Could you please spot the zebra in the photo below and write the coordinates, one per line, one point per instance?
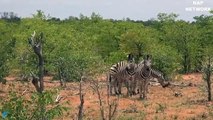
(160, 77)
(122, 72)
(143, 74)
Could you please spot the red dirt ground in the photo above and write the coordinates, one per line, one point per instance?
(189, 104)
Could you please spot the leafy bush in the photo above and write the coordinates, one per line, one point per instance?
(75, 65)
(6, 52)
(166, 60)
(38, 107)
(115, 57)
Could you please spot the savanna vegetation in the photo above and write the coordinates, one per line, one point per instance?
(88, 46)
(82, 44)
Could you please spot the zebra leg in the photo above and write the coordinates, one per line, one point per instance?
(112, 84)
(134, 86)
(119, 84)
(126, 82)
(109, 84)
(138, 90)
(109, 89)
(141, 89)
(138, 87)
(115, 86)
(130, 91)
(144, 89)
(131, 88)
(146, 83)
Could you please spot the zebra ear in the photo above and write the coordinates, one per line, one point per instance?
(149, 57)
(130, 58)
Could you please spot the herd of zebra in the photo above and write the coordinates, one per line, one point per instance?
(134, 76)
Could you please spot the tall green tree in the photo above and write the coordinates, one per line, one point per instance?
(184, 37)
(205, 25)
(138, 41)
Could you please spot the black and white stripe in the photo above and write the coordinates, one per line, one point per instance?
(122, 72)
(159, 76)
(143, 74)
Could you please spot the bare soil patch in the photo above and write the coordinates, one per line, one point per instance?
(162, 103)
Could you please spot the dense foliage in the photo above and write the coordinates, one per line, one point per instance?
(37, 107)
(89, 45)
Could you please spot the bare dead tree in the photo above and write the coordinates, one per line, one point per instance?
(96, 87)
(112, 105)
(81, 95)
(35, 81)
(36, 44)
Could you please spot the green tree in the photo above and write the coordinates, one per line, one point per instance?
(164, 17)
(40, 15)
(18, 107)
(205, 25)
(138, 41)
(8, 42)
(184, 37)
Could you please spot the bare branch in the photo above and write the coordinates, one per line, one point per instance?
(80, 112)
(58, 98)
(95, 86)
(24, 92)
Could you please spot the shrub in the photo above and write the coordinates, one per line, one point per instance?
(37, 107)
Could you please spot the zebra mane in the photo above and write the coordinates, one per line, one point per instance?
(159, 72)
(141, 63)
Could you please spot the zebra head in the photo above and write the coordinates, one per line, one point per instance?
(147, 62)
(130, 58)
(131, 68)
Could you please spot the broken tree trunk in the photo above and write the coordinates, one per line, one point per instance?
(36, 44)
